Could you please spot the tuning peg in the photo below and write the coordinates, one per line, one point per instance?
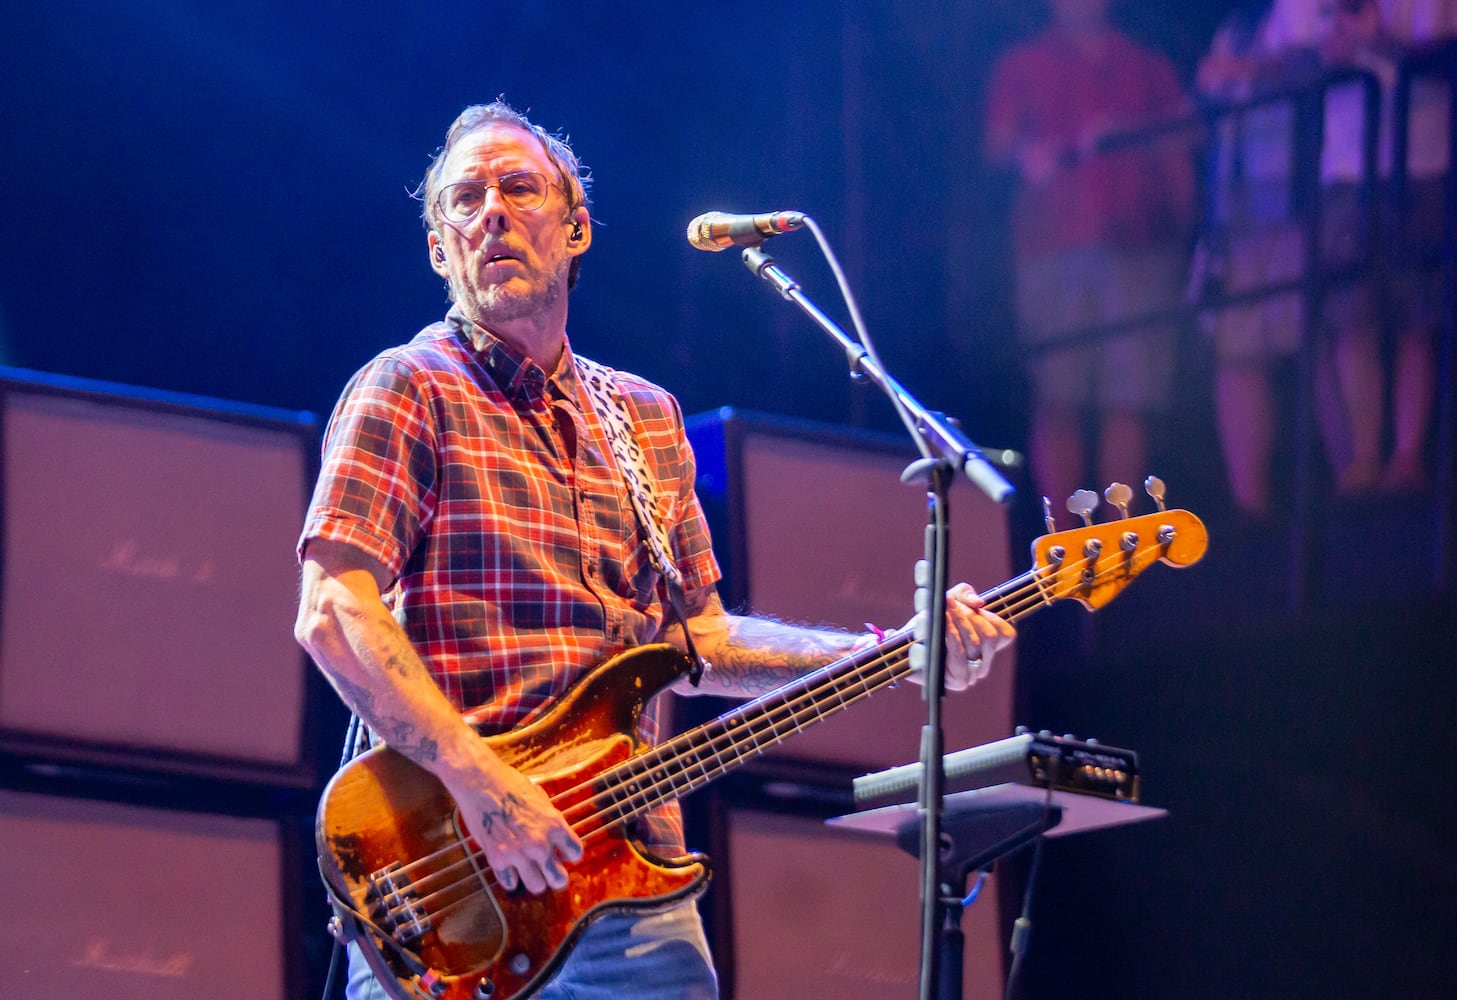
(1154, 487)
(1083, 503)
(1118, 494)
(1047, 516)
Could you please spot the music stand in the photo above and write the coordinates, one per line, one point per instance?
(979, 827)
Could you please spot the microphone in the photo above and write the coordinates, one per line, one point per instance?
(715, 231)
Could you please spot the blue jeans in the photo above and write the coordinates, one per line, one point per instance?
(661, 956)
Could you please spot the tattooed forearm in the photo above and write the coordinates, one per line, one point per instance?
(749, 656)
(421, 751)
(397, 732)
(743, 677)
(368, 657)
(358, 697)
(401, 733)
(755, 655)
(397, 656)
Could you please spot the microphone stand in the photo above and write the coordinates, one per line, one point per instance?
(946, 451)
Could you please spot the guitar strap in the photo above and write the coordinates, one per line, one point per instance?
(632, 465)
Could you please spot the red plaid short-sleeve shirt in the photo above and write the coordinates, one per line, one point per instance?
(489, 491)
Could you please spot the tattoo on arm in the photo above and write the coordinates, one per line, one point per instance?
(359, 698)
(398, 657)
(505, 814)
(760, 654)
(398, 732)
(750, 656)
(425, 751)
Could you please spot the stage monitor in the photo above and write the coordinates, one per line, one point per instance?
(130, 902)
(148, 582)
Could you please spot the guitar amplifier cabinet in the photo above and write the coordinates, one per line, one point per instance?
(148, 580)
(812, 524)
(817, 912)
(137, 903)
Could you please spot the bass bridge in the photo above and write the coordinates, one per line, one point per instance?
(394, 905)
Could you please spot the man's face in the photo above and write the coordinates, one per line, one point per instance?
(506, 263)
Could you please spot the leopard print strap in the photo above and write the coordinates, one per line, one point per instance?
(632, 465)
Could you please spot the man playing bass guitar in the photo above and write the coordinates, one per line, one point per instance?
(472, 545)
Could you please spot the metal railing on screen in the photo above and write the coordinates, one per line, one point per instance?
(1221, 128)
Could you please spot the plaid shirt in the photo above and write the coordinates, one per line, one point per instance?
(487, 489)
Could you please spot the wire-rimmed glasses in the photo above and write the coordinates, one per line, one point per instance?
(522, 190)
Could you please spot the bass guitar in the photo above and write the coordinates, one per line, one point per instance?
(414, 890)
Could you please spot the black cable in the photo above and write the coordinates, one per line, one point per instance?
(1022, 926)
(333, 969)
(351, 738)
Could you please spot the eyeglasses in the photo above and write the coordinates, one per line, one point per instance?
(524, 190)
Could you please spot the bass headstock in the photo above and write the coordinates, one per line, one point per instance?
(1092, 564)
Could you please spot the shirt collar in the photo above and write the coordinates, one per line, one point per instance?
(518, 376)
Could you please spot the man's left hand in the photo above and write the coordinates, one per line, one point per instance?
(973, 637)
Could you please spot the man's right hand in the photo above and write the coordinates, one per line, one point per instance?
(359, 646)
(526, 839)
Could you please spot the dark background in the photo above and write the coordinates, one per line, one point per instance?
(212, 197)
